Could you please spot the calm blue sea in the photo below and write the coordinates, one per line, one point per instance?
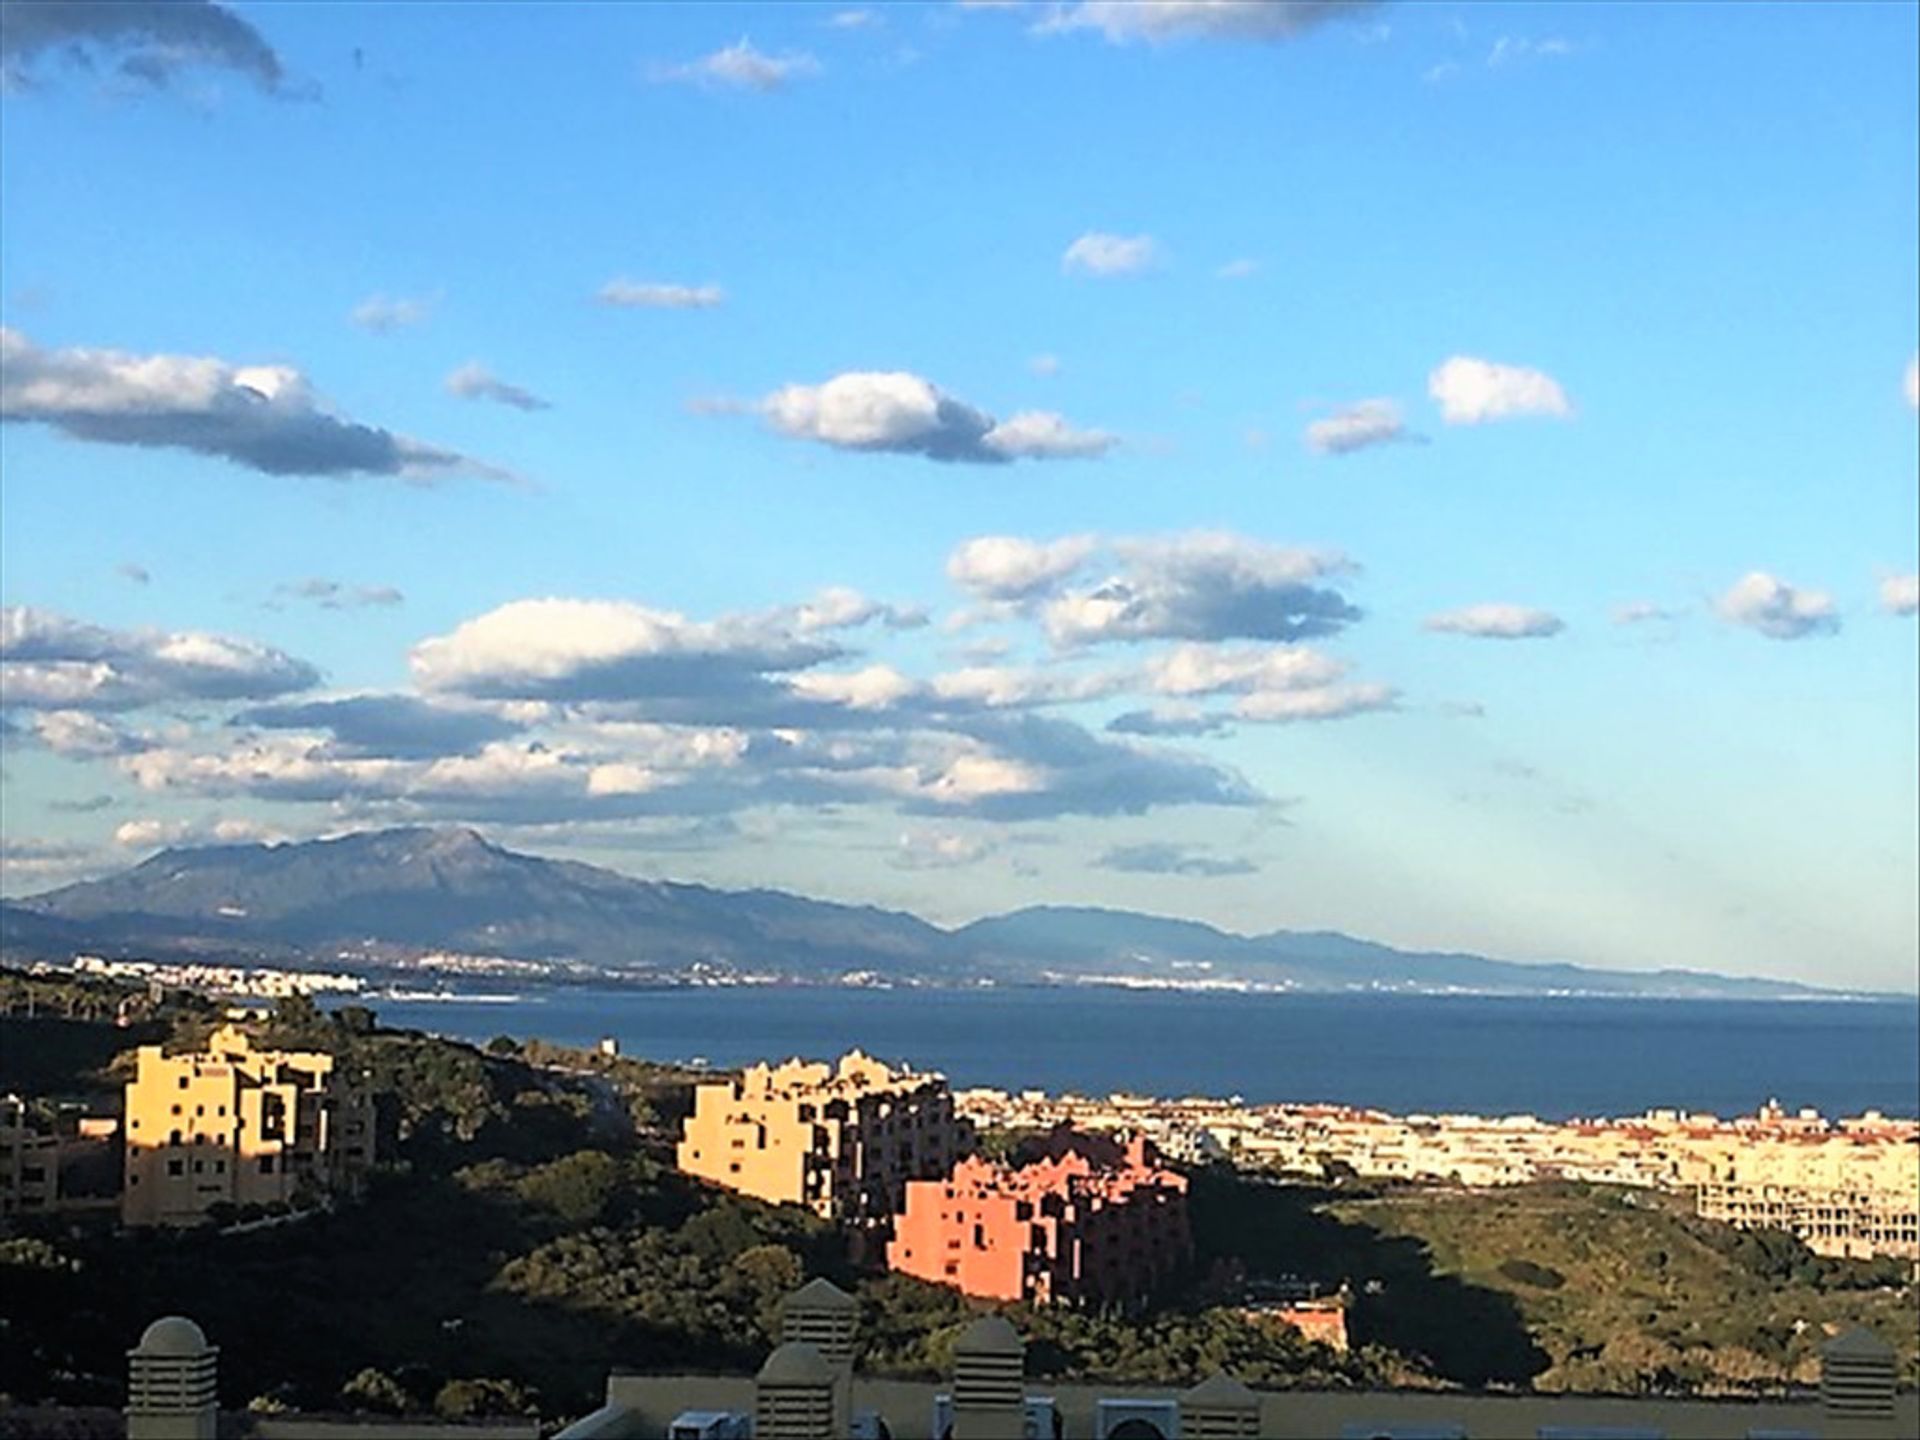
(1552, 1058)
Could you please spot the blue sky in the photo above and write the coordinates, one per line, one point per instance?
(1326, 381)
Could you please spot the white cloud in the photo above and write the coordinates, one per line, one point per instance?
(1007, 567)
(741, 67)
(82, 734)
(1498, 622)
(1043, 435)
(1900, 594)
(48, 661)
(1514, 49)
(854, 19)
(1241, 269)
(1160, 20)
(1044, 365)
(899, 412)
(383, 314)
(474, 381)
(1326, 702)
(607, 649)
(1912, 384)
(1204, 586)
(1356, 426)
(152, 834)
(1778, 610)
(1188, 670)
(1101, 254)
(1470, 391)
(656, 295)
(265, 417)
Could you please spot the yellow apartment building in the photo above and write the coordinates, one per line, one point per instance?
(239, 1126)
(842, 1139)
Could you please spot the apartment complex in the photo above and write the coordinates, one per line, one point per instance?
(843, 1139)
(233, 1125)
(1075, 1226)
(29, 1161)
(1848, 1187)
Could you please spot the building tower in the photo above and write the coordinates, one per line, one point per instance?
(989, 1382)
(824, 1316)
(793, 1395)
(1857, 1372)
(1217, 1408)
(172, 1379)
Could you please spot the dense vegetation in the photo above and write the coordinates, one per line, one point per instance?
(1624, 1291)
(528, 1232)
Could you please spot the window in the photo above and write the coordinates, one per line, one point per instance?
(199, 1167)
(266, 1164)
(183, 1085)
(219, 1167)
(176, 1109)
(173, 1137)
(176, 1167)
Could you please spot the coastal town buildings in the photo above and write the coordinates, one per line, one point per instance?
(1074, 1226)
(842, 1139)
(1847, 1188)
(235, 1125)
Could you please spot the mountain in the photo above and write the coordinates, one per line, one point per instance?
(397, 894)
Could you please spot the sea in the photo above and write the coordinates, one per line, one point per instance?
(1409, 1054)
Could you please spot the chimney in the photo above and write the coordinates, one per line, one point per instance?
(1217, 1408)
(172, 1383)
(989, 1382)
(793, 1396)
(824, 1316)
(1857, 1372)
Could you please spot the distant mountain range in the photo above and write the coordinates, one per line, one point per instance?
(390, 895)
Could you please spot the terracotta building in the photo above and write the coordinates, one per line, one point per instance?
(1075, 1226)
(841, 1139)
(234, 1125)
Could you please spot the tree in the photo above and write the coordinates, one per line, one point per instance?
(376, 1390)
(466, 1399)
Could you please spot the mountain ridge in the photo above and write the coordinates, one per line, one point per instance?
(399, 893)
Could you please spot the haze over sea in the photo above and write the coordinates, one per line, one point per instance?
(1554, 1058)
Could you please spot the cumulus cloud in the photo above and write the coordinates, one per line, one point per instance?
(156, 834)
(397, 727)
(264, 417)
(840, 607)
(338, 595)
(1900, 594)
(1471, 392)
(1356, 426)
(560, 649)
(1204, 586)
(80, 734)
(1778, 610)
(1163, 858)
(1007, 567)
(897, 412)
(1161, 20)
(741, 67)
(1098, 253)
(659, 295)
(474, 381)
(383, 314)
(51, 662)
(152, 40)
(30, 863)
(1498, 622)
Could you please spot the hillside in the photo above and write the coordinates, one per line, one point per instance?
(403, 892)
